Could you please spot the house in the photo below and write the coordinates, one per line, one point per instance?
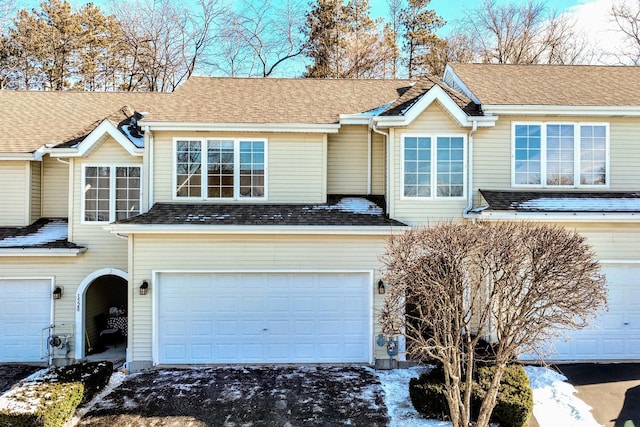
(242, 220)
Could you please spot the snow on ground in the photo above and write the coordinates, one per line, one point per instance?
(117, 378)
(555, 402)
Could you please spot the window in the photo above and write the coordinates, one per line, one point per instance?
(111, 193)
(560, 154)
(231, 168)
(433, 161)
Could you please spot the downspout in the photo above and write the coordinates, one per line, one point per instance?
(474, 128)
(369, 161)
(150, 161)
(372, 126)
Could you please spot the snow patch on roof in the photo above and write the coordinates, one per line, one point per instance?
(378, 110)
(132, 131)
(50, 232)
(572, 204)
(358, 205)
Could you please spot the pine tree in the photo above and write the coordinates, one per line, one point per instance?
(420, 39)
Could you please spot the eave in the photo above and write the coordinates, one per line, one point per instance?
(41, 252)
(605, 217)
(126, 229)
(242, 127)
(562, 110)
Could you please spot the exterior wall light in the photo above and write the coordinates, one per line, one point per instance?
(57, 292)
(381, 289)
(144, 288)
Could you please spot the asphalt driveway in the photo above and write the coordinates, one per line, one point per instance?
(250, 396)
(612, 391)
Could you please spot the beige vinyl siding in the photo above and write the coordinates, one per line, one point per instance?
(14, 197)
(611, 241)
(347, 161)
(493, 148)
(238, 253)
(378, 165)
(36, 191)
(295, 166)
(424, 212)
(55, 188)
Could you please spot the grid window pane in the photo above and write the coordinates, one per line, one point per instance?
(560, 155)
(251, 168)
(96, 193)
(450, 164)
(593, 155)
(528, 154)
(220, 168)
(127, 191)
(417, 167)
(188, 168)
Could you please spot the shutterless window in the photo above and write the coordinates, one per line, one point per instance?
(433, 162)
(231, 168)
(560, 154)
(111, 192)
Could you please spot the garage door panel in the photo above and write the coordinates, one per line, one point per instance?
(26, 310)
(268, 318)
(614, 335)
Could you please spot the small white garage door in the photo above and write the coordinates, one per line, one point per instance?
(26, 309)
(616, 333)
(263, 318)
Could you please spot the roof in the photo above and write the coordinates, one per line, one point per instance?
(30, 119)
(275, 100)
(422, 86)
(341, 211)
(46, 233)
(560, 85)
(562, 201)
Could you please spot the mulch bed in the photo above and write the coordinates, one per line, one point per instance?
(255, 396)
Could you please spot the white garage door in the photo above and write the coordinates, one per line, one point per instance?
(616, 333)
(263, 318)
(26, 309)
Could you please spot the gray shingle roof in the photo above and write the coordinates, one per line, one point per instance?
(562, 201)
(46, 233)
(338, 212)
(560, 85)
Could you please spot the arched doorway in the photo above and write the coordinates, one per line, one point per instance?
(101, 294)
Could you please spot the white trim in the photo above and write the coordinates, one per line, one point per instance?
(242, 127)
(155, 356)
(19, 156)
(27, 195)
(112, 189)
(576, 154)
(105, 128)
(436, 93)
(236, 169)
(253, 229)
(619, 261)
(40, 252)
(555, 216)
(80, 304)
(434, 165)
(562, 110)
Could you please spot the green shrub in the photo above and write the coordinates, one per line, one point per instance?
(514, 403)
(42, 404)
(427, 394)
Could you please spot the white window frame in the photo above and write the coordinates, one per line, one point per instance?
(576, 154)
(434, 165)
(204, 172)
(112, 189)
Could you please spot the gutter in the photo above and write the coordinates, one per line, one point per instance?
(197, 229)
(555, 216)
(473, 130)
(22, 252)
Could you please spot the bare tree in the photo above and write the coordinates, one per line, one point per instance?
(627, 16)
(519, 285)
(524, 33)
(164, 41)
